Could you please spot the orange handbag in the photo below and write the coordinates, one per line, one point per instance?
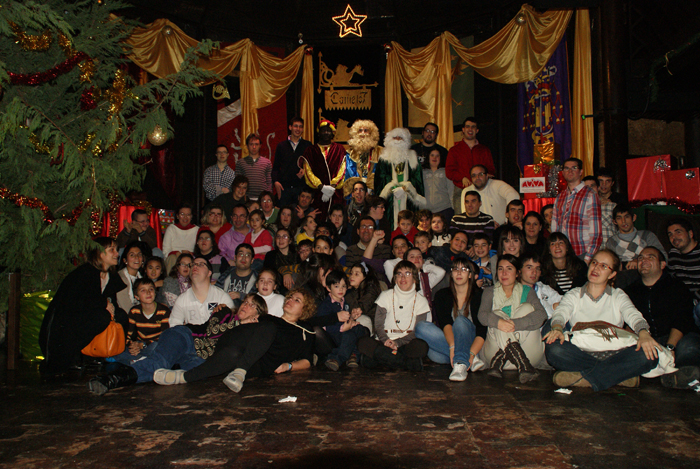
(107, 343)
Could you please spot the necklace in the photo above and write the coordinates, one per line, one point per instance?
(413, 310)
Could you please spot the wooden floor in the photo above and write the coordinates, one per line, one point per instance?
(350, 419)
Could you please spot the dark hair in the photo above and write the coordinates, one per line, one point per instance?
(578, 162)
(514, 261)
(308, 190)
(411, 248)
(605, 172)
(221, 145)
(214, 246)
(344, 224)
(244, 246)
(260, 303)
(481, 235)
(173, 269)
(370, 282)
(572, 266)
(437, 129)
(94, 255)
(661, 254)
(335, 276)
(422, 234)
(207, 211)
(325, 239)
(478, 165)
(304, 221)
(309, 274)
(590, 178)
(291, 227)
(134, 244)
(296, 119)
(621, 208)
(463, 261)
(238, 180)
(259, 213)
(376, 202)
(250, 137)
(540, 220)
(332, 231)
(406, 215)
(275, 277)
(160, 261)
(471, 119)
(263, 194)
(406, 265)
(530, 255)
(138, 212)
(184, 205)
(398, 238)
(142, 281)
(515, 203)
(474, 193)
(363, 183)
(209, 267)
(515, 232)
(685, 224)
(444, 224)
(425, 213)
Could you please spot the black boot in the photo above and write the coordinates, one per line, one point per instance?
(497, 363)
(515, 353)
(123, 376)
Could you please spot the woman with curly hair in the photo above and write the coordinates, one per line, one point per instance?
(272, 345)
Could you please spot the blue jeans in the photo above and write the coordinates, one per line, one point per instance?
(602, 374)
(464, 332)
(696, 314)
(125, 358)
(687, 349)
(347, 343)
(175, 346)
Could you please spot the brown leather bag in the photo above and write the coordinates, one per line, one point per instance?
(107, 343)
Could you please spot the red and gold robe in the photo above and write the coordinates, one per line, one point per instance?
(324, 165)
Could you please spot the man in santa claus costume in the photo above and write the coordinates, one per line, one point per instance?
(398, 176)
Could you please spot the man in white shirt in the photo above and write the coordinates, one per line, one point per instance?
(196, 305)
(495, 194)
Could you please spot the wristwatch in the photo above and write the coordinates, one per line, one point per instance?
(290, 367)
(671, 347)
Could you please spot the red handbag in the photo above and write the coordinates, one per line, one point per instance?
(107, 343)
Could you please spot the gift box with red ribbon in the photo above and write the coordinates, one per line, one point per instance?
(683, 184)
(645, 177)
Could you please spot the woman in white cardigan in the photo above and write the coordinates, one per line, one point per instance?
(180, 237)
(597, 301)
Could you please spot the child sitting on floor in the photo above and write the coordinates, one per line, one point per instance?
(343, 334)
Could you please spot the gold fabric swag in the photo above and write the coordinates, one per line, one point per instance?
(160, 48)
(517, 53)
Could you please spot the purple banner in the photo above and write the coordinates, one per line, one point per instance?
(544, 112)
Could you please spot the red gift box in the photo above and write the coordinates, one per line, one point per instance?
(684, 184)
(644, 177)
(541, 170)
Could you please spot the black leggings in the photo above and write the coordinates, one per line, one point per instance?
(240, 347)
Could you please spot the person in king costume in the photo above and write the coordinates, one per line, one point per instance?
(362, 157)
(324, 169)
(398, 175)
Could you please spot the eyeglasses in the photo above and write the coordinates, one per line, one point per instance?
(359, 189)
(648, 257)
(282, 237)
(184, 214)
(250, 303)
(367, 227)
(200, 264)
(243, 254)
(222, 153)
(433, 132)
(595, 263)
(476, 175)
(404, 274)
(571, 168)
(215, 214)
(189, 266)
(460, 269)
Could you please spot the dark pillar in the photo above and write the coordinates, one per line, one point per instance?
(13, 321)
(692, 142)
(614, 53)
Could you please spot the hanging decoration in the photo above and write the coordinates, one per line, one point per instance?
(33, 202)
(690, 209)
(31, 42)
(220, 91)
(157, 136)
(349, 22)
(33, 79)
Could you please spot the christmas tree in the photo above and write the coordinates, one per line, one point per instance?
(72, 125)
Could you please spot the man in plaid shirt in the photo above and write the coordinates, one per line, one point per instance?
(218, 177)
(577, 212)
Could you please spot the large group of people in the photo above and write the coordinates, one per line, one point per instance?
(383, 257)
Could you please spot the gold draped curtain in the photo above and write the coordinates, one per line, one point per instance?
(517, 53)
(160, 47)
(582, 130)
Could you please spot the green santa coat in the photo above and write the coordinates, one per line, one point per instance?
(409, 177)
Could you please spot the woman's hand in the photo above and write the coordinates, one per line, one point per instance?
(158, 283)
(647, 343)
(283, 368)
(554, 334)
(452, 355)
(506, 325)
(391, 344)
(250, 320)
(110, 308)
(288, 281)
(480, 283)
(234, 295)
(135, 348)
(356, 313)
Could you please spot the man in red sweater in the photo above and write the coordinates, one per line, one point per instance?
(463, 156)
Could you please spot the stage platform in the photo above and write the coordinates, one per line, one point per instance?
(349, 419)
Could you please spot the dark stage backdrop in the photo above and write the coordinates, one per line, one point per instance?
(349, 85)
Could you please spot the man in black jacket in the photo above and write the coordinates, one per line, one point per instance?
(667, 305)
(289, 179)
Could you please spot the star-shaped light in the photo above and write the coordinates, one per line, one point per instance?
(349, 22)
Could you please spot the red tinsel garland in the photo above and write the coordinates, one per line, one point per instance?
(33, 202)
(48, 75)
(690, 209)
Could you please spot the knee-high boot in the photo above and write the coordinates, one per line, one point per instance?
(516, 354)
(497, 363)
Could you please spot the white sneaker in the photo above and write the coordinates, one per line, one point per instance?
(477, 363)
(459, 372)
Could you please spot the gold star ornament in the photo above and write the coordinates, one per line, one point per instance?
(349, 22)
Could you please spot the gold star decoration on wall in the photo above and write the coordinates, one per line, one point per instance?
(349, 22)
